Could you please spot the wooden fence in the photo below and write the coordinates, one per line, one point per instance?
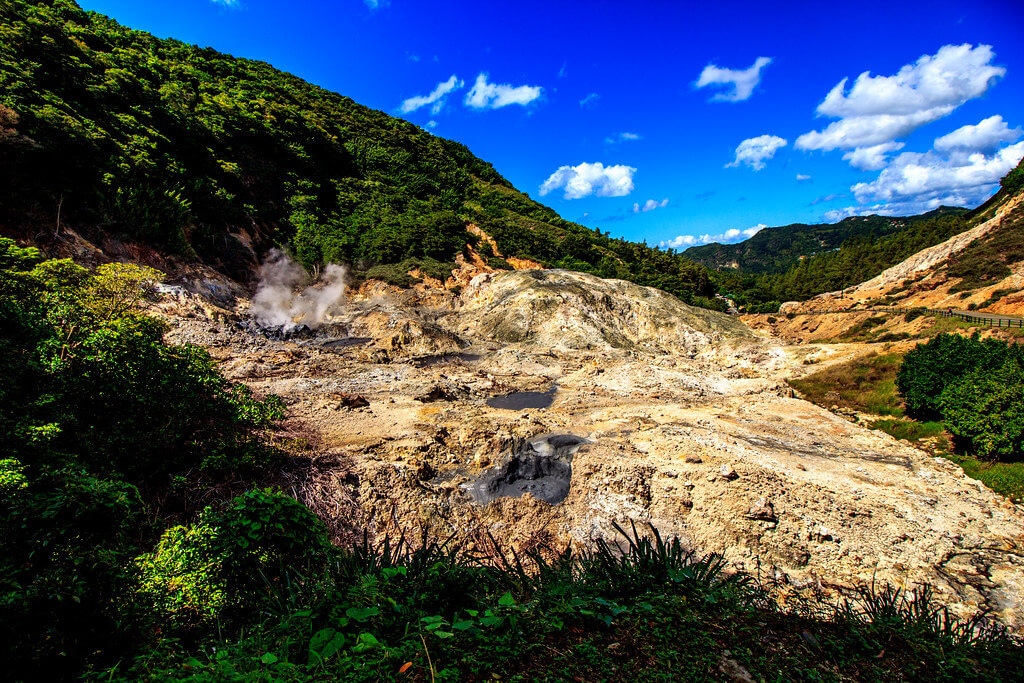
(988, 320)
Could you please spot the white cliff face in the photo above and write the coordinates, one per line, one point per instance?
(687, 426)
(564, 309)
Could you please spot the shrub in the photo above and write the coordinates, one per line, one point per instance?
(985, 410)
(914, 314)
(231, 561)
(929, 368)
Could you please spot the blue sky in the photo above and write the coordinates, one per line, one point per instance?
(670, 123)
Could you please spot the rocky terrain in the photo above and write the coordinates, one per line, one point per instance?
(626, 406)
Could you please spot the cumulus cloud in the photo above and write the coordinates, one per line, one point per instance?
(984, 137)
(913, 175)
(435, 98)
(590, 100)
(731, 235)
(915, 182)
(872, 158)
(802, 178)
(877, 110)
(591, 179)
(755, 151)
(649, 205)
(740, 84)
(484, 95)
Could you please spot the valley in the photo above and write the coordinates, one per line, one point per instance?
(682, 419)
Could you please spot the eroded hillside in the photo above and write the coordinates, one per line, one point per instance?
(627, 406)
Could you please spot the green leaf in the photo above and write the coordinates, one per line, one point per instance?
(269, 658)
(362, 613)
(506, 600)
(366, 642)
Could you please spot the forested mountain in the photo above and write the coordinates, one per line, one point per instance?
(775, 250)
(201, 153)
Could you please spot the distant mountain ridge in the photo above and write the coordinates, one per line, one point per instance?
(777, 249)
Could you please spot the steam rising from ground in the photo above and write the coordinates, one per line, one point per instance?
(278, 305)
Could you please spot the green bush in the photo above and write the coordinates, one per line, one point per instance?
(98, 415)
(230, 563)
(976, 386)
(914, 314)
(929, 368)
(984, 411)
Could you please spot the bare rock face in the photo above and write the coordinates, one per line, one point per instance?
(659, 413)
(564, 309)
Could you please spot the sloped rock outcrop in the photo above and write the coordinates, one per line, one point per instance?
(564, 309)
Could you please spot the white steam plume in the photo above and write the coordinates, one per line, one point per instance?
(276, 303)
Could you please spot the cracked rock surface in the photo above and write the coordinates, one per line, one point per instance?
(679, 417)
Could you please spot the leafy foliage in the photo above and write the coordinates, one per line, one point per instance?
(985, 409)
(96, 414)
(231, 560)
(975, 385)
(393, 611)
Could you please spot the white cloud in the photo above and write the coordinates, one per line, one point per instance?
(377, 4)
(922, 176)
(801, 178)
(984, 137)
(563, 72)
(731, 235)
(587, 179)
(649, 205)
(742, 82)
(622, 137)
(431, 125)
(755, 151)
(435, 98)
(228, 3)
(877, 110)
(679, 242)
(590, 100)
(915, 183)
(872, 158)
(486, 95)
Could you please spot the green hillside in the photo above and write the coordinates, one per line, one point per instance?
(197, 152)
(775, 250)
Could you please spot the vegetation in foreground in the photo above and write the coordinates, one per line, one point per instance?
(643, 609)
